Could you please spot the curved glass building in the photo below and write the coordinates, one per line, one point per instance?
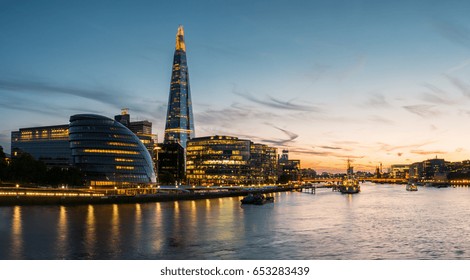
(108, 153)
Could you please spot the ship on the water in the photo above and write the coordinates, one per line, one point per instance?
(350, 184)
(412, 187)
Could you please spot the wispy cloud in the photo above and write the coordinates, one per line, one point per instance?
(277, 104)
(462, 86)
(377, 100)
(458, 67)
(423, 152)
(40, 88)
(454, 32)
(436, 96)
(330, 148)
(389, 148)
(422, 110)
(381, 120)
(324, 153)
(282, 142)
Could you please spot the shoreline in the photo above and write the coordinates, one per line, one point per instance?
(33, 196)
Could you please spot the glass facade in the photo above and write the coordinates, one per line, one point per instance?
(143, 130)
(109, 153)
(179, 120)
(49, 144)
(263, 164)
(219, 160)
(225, 160)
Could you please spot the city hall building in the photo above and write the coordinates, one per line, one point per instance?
(108, 153)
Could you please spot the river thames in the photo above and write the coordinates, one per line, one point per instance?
(381, 222)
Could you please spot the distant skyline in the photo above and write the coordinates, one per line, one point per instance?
(373, 81)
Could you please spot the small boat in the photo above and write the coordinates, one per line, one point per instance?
(411, 187)
(257, 199)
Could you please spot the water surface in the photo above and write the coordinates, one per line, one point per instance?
(381, 222)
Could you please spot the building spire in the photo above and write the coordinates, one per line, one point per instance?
(180, 39)
(179, 119)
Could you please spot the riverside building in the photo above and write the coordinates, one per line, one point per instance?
(226, 160)
(49, 144)
(143, 129)
(108, 153)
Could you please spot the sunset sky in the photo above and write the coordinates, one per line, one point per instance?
(373, 81)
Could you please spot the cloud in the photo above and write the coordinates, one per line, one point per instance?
(377, 100)
(277, 104)
(458, 67)
(455, 33)
(330, 148)
(390, 148)
(39, 88)
(282, 142)
(327, 153)
(422, 152)
(463, 87)
(381, 120)
(422, 110)
(438, 96)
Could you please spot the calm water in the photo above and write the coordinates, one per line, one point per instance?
(382, 222)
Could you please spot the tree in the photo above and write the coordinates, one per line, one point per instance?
(3, 165)
(25, 169)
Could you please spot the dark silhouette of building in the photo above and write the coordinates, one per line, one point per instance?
(179, 120)
(431, 169)
(288, 168)
(170, 163)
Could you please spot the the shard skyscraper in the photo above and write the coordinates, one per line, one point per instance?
(179, 118)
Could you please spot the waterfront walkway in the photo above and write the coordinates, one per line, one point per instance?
(31, 196)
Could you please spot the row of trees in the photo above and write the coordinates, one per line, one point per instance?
(25, 169)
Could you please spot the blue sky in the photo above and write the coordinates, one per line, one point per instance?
(374, 81)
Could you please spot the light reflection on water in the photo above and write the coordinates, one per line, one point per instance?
(382, 222)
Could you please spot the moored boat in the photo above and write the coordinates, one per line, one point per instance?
(411, 187)
(350, 184)
(257, 199)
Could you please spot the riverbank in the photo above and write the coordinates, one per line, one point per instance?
(49, 196)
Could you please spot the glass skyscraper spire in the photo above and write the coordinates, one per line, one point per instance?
(179, 119)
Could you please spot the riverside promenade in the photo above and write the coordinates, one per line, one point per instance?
(66, 196)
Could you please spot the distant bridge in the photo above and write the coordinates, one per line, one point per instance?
(337, 181)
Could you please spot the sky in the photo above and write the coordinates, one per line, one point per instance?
(373, 81)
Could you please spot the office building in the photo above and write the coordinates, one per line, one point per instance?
(49, 144)
(179, 120)
(226, 160)
(218, 160)
(289, 169)
(263, 162)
